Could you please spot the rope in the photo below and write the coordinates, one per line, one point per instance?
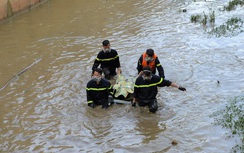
(21, 72)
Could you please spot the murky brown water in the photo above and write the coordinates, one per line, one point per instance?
(44, 109)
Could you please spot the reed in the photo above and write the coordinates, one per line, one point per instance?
(203, 18)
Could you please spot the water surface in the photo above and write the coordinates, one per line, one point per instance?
(44, 109)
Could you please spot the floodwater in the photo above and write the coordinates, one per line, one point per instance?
(44, 108)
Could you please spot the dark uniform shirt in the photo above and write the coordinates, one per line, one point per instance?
(97, 92)
(107, 60)
(147, 90)
(157, 65)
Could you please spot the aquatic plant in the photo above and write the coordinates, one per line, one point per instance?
(232, 4)
(212, 17)
(195, 18)
(203, 18)
(231, 27)
(232, 117)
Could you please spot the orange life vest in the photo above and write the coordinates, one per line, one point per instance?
(152, 64)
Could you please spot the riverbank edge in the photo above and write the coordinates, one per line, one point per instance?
(12, 8)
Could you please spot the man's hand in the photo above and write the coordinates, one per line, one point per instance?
(119, 71)
(133, 104)
(182, 88)
(110, 100)
(91, 105)
(141, 73)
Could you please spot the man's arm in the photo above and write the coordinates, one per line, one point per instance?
(88, 96)
(116, 62)
(159, 68)
(119, 71)
(135, 94)
(168, 83)
(97, 62)
(179, 87)
(139, 65)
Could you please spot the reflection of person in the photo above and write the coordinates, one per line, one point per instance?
(109, 60)
(151, 130)
(145, 89)
(149, 58)
(99, 90)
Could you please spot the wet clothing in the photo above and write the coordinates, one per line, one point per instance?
(155, 64)
(108, 61)
(152, 104)
(97, 94)
(145, 92)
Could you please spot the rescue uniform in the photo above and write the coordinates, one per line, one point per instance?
(155, 64)
(98, 93)
(109, 62)
(145, 92)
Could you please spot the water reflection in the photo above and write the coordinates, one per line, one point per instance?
(150, 128)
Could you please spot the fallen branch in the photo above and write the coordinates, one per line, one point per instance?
(21, 72)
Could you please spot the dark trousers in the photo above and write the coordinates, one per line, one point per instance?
(109, 72)
(152, 104)
(103, 102)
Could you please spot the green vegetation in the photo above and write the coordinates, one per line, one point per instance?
(212, 17)
(232, 117)
(230, 28)
(233, 4)
(195, 18)
(203, 18)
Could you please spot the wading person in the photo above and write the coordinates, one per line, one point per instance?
(145, 89)
(149, 58)
(108, 59)
(99, 90)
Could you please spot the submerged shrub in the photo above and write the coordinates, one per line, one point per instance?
(195, 18)
(231, 27)
(203, 19)
(212, 17)
(232, 117)
(231, 5)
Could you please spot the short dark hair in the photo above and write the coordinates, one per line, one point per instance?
(147, 71)
(99, 70)
(150, 52)
(105, 43)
